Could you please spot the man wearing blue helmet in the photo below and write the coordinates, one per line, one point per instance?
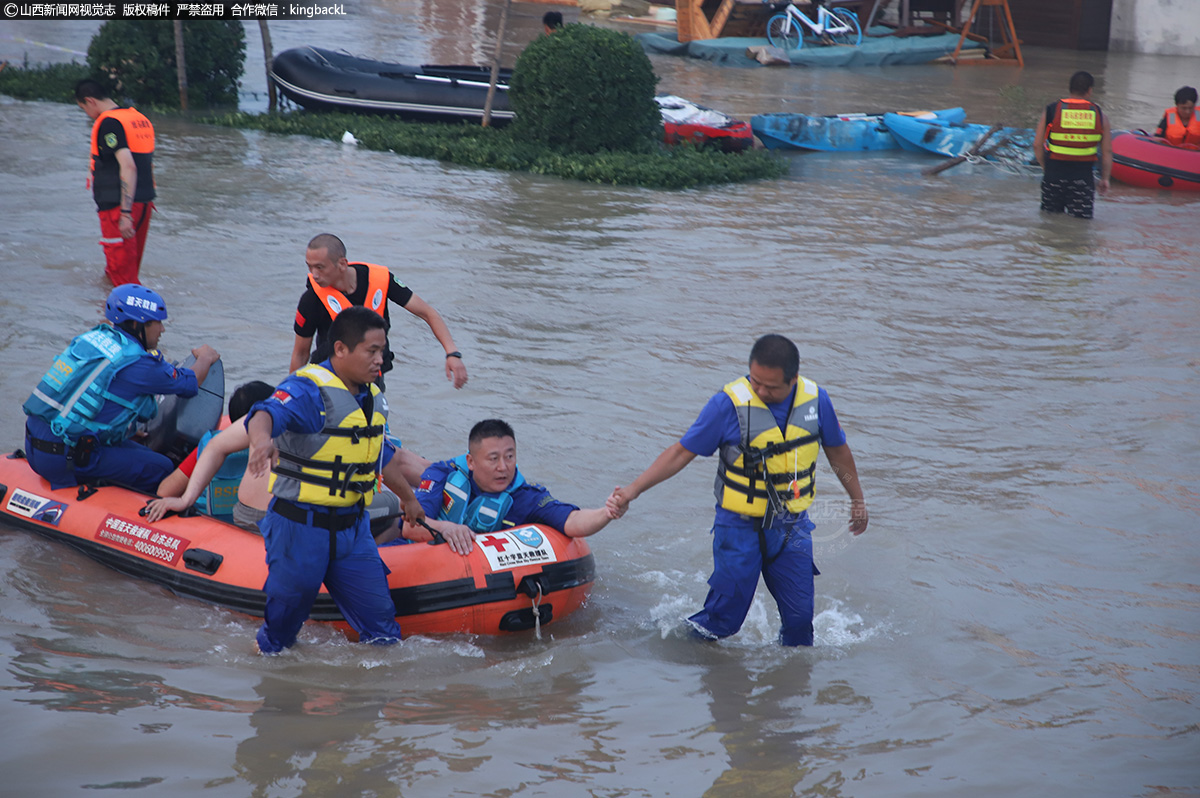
(80, 417)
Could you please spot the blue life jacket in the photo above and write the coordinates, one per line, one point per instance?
(75, 389)
(481, 514)
(220, 497)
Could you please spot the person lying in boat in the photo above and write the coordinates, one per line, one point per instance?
(483, 491)
(80, 415)
(1180, 125)
(219, 485)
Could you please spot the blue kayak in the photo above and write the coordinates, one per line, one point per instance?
(836, 132)
(954, 139)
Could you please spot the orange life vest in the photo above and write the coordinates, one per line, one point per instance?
(335, 301)
(1075, 132)
(139, 133)
(1178, 133)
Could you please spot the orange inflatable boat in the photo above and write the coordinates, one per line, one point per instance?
(512, 579)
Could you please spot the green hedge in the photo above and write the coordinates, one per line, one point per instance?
(586, 89)
(55, 82)
(136, 58)
(502, 148)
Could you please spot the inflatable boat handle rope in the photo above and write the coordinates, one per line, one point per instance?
(437, 536)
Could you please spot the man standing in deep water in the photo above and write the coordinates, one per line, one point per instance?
(122, 179)
(1072, 134)
(767, 427)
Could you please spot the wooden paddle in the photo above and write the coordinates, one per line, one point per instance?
(955, 161)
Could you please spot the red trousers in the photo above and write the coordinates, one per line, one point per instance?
(123, 256)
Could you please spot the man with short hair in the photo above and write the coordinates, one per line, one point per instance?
(484, 491)
(1072, 135)
(1180, 125)
(329, 420)
(767, 427)
(335, 283)
(122, 179)
(552, 21)
(80, 418)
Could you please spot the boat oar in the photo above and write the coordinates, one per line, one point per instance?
(956, 160)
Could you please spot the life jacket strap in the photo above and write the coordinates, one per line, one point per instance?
(341, 477)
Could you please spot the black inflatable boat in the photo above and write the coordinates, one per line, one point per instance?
(322, 80)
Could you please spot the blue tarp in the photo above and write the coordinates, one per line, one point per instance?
(874, 50)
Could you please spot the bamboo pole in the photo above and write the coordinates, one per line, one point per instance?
(268, 58)
(487, 105)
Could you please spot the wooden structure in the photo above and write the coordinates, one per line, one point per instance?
(713, 19)
(1068, 24)
(1009, 48)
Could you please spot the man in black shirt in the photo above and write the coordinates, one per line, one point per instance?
(334, 284)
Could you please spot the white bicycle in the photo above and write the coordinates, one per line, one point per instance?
(787, 30)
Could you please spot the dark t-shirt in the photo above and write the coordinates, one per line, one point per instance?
(313, 319)
(1066, 170)
(106, 178)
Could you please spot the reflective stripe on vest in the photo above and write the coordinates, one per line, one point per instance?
(337, 466)
(378, 278)
(1075, 132)
(787, 458)
(73, 392)
(481, 514)
(1178, 133)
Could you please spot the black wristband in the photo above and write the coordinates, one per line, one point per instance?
(126, 213)
(455, 353)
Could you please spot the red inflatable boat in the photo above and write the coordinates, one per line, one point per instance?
(511, 580)
(1150, 162)
(683, 120)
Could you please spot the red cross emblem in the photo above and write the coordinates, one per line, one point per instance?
(496, 543)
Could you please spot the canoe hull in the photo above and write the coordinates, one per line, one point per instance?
(835, 132)
(950, 140)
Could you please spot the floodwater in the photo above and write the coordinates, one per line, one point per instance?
(1020, 393)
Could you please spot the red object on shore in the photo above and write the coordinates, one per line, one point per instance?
(1150, 162)
(683, 120)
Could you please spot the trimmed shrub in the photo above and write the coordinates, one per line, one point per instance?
(504, 148)
(586, 89)
(137, 59)
(52, 82)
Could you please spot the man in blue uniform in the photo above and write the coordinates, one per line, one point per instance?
(767, 427)
(328, 419)
(81, 415)
(483, 491)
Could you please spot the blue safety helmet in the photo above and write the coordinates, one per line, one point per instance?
(133, 302)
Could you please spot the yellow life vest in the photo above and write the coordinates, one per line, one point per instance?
(336, 466)
(780, 475)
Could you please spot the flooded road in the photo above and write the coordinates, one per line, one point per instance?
(1020, 393)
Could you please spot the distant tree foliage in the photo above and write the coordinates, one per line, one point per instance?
(137, 59)
(586, 89)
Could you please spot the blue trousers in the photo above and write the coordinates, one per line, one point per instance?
(127, 463)
(787, 569)
(298, 561)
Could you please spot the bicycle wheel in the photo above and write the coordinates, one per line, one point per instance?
(852, 36)
(782, 33)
